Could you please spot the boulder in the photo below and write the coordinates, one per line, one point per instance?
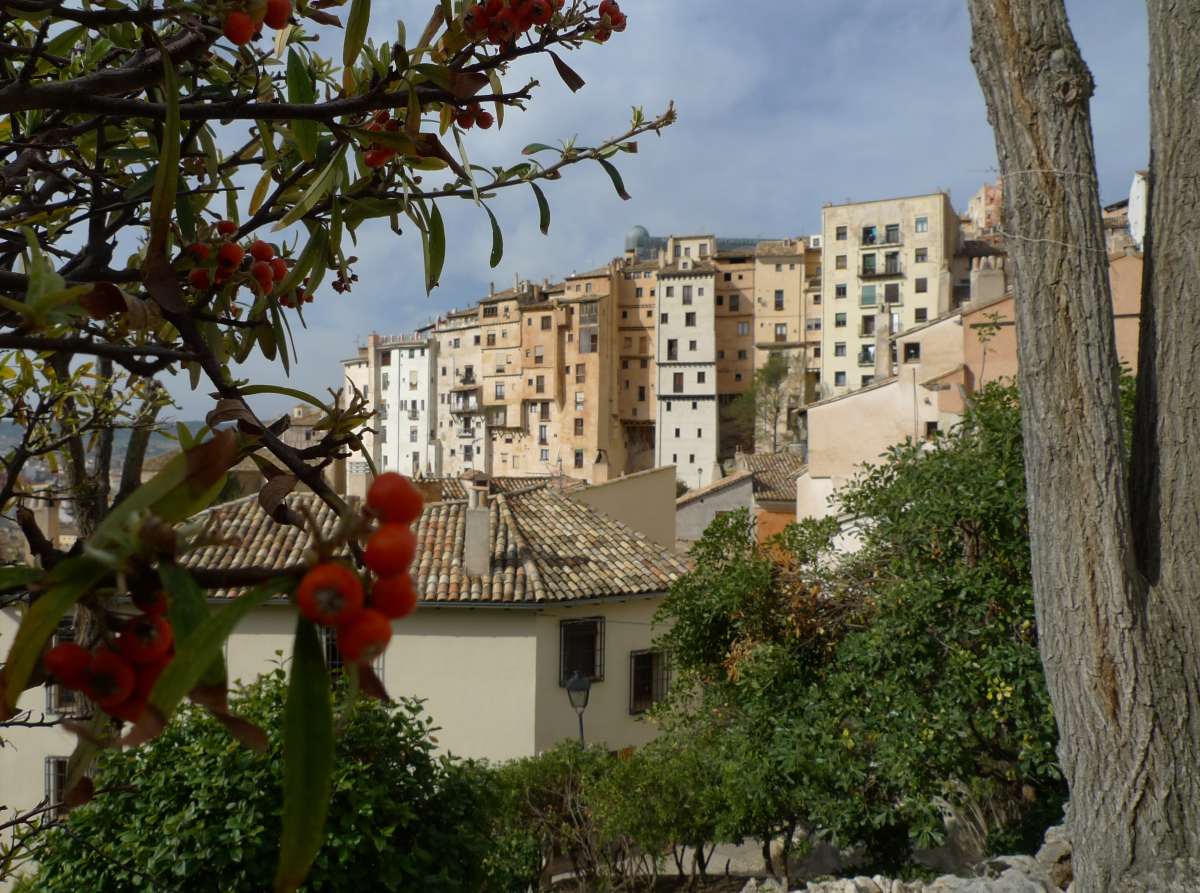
(1055, 857)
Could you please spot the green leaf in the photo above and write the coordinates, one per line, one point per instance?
(435, 248)
(307, 759)
(68, 582)
(302, 90)
(166, 178)
(615, 175)
(497, 239)
(188, 609)
(323, 184)
(296, 393)
(17, 576)
(356, 31)
(195, 654)
(534, 148)
(543, 209)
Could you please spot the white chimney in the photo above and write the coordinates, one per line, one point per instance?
(477, 549)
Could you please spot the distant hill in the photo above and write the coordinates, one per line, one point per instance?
(162, 441)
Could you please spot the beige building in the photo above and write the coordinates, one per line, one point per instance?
(516, 594)
(461, 425)
(886, 267)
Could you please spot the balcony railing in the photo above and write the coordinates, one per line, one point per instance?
(880, 240)
(891, 269)
(866, 359)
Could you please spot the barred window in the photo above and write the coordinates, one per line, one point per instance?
(59, 698)
(55, 784)
(333, 655)
(581, 648)
(649, 679)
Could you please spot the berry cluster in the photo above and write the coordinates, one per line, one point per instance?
(120, 675)
(500, 22)
(611, 19)
(473, 115)
(242, 25)
(222, 260)
(332, 594)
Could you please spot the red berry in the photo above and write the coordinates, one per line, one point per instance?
(493, 8)
(145, 638)
(260, 250)
(377, 157)
(263, 275)
(330, 594)
(152, 602)
(381, 116)
(200, 278)
(602, 34)
(68, 663)
(608, 7)
(541, 11)
(475, 21)
(201, 251)
(502, 28)
(390, 550)
(226, 227)
(465, 119)
(394, 499)
(365, 637)
(618, 21)
(239, 28)
(484, 119)
(279, 269)
(230, 255)
(394, 597)
(147, 675)
(523, 12)
(278, 13)
(110, 679)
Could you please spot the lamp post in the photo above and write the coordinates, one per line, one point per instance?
(578, 689)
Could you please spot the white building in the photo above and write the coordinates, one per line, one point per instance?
(687, 421)
(461, 421)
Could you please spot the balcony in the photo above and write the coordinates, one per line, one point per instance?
(466, 433)
(814, 281)
(888, 270)
(414, 415)
(866, 358)
(889, 237)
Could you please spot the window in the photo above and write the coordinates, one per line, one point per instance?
(691, 458)
(816, 352)
(839, 379)
(581, 649)
(580, 373)
(891, 293)
(867, 379)
(839, 320)
(672, 349)
(743, 328)
(868, 326)
(866, 355)
(931, 430)
(779, 299)
(499, 390)
(475, 340)
(779, 268)
(868, 296)
(55, 782)
(687, 251)
(699, 378)
(579, 428)
(704, 249)
(689, 319)
(678, 382)
(720, 300)
(491, 339)
(578, 400)
(921, 255)
(641, 393)
(490, 310)
(544, 456)
(670, 293)
(691, 345)
(663, 318)
(700, 433)
(728, 277)
(742, 355)
(720, 354)
(540, 384)
(543, 435)
(546, 323)
(839, 349)
(687, 294)
(677, 432)
(921, 314)
(386, 380)
(781, 331)
(868, 235)
(912, 352)
(922, 286)
(624, 364)
(644, 363)
(413, 434)
(839, 291)
(735, 303)
(840, 233)
(579, 458)
(891, 233)
(637, 292)
(922, 224)
(59, 698)
(839, 262)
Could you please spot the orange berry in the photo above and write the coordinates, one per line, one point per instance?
(365, 637)
(200, 278)
(68, 663)
(279, 269)
(278, 13)
(151, 603)
(465, 119)
(484, 119)
(394, 499)
(390, 549)
(394, 597)
(145, 638)
(330, 594)
(226, 227)
(260, 250)
(230, 255)
(239, 28)
(263, 275)
(201, 251)
(377, 157)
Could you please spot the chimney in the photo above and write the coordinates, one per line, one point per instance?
(516, 281)
(477, 549)
(491, 289)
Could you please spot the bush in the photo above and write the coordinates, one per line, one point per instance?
(194, 810)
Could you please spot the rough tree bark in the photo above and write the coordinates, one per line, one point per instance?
(1118, 612)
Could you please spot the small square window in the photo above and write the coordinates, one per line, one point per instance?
(920, 314)
(912, 352)
(839, 262)
(921, 286)
(581, 649)
(664, 319)
(840, 233)
(921, 255)
(839, 379)
(839, 320)
(839, 349)
(922, 224)
(839, 291)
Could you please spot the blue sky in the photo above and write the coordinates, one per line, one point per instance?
(783, 105)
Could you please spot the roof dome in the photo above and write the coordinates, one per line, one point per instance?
(638, 237)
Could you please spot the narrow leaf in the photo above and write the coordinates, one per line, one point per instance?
(188, 609)
(497, 239)
(570, 77)
(316, 191)
(307, 759)
(437, 248)
(534, 148)
(615, 175)
(252, 390)
(260, 192)
(543, 209)
(302, 90)
(166, 178)
(356, 31)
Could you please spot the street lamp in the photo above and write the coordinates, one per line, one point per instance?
(578, 690)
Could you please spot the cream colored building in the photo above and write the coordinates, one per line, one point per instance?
(461, 424)
(517, 589)
(886, 267)
(781, 315)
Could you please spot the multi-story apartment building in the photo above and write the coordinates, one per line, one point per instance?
(781, 315)
(461, 426)
(886, 267)
(396, 373)
(637, 304)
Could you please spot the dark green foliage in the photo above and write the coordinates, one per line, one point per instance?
(195, 811)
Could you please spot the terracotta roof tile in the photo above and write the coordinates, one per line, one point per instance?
(709, 489)
(545, 548)
(774, 475)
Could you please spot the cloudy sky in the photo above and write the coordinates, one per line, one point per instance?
(783, 105)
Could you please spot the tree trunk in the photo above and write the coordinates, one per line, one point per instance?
(1118, 621)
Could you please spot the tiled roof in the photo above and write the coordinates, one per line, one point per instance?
(159, 462)
(456, 488)
(545, 548)
(774, 475)
(709, 489)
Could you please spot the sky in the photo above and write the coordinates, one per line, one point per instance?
(783, 105)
